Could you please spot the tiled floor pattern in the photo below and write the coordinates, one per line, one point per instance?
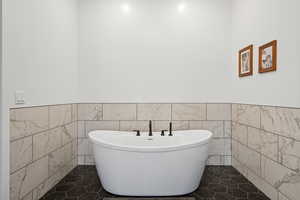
(218, 183)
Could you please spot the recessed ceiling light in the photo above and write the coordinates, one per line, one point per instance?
(125, 7)
(181, 7)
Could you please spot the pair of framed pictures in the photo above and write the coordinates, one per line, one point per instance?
(267, 59)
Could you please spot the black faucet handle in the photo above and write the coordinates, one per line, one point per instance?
(170, 129)
(163, 132)
(138, 132)
(150, 128)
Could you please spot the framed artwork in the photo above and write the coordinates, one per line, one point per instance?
(268, 57)
(246, 61)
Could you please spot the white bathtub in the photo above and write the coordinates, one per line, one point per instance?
(133, 165)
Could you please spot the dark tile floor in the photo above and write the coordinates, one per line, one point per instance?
(218, 183)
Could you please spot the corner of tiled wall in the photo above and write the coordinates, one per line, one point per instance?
(43, 148)
(266, 148)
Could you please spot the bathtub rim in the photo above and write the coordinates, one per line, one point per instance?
(107, 145)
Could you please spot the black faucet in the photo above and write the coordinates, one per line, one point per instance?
(150, 128)
(170, 129)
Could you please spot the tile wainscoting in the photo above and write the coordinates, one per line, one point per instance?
(266, 148)
(128, 117)
(47, 142)
(43, 148)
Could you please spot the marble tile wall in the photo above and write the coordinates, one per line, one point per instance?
(266, 148)
(262, 142)
(128, 117)
(43, 148)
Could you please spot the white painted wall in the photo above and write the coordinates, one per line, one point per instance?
(184, 57)
(40, 50)
(40, 57)
(153, 52)
(258, 22)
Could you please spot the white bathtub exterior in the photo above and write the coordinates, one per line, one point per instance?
(157, 168)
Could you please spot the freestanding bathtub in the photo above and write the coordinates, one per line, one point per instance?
(133, 165)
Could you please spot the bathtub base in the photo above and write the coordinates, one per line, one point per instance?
(150, 174)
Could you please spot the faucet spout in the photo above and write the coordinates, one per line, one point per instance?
(150, 128)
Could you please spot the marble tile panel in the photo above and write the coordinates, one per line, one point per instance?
(188, 111)
(260, 183)
(89, 160)
(28, 121)
(227, 146)
(85, 147)
(63, 171)
(235, 149)
(75, 148)
(44, 187)
(283, 121)
(59, 158)
(89, 112)
(243, 153)
(289, 153)
(81, 129)
(218, 111)
(269, 145)
(60, 174)
(134, 125)
(282, 178)
(246, 114)
(41, 190)
(176, 125)
(216, 127)
(239, 132)
(81, 160)
(25, 180)
(20, 153)
(154, 111)
(60, 115)
(119, 111)
(44, 143)
(263, 142)
(254, 139)
(227, 129)
(28, 196)
(226, 160)
(240, 167)
(74, 112)
(217, 147)
(250, 158)
(16, 184)
(282, 197)
(69, 133)
(101, 125)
